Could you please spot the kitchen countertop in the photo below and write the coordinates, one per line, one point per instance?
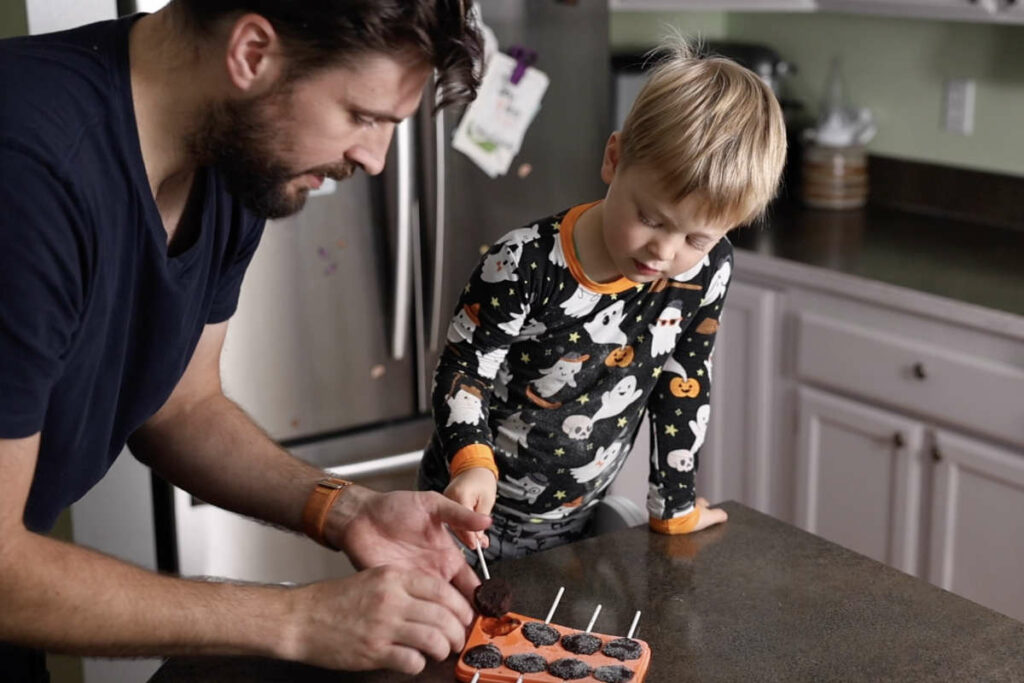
(964, 261)
(752, 600)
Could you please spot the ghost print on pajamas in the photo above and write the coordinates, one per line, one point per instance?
(501, 265)
(464, 324)
(465, 406)
(665, 331)
(618, 398)
(603, 460)
(521, 236)
(487, 364)
(581, 303)
(562, 373)
(718, 284)
(604, 327)
(681, 459)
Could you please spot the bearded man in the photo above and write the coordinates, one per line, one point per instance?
(139, 160)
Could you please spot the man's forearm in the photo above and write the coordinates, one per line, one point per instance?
(64, 598)
(216, 452)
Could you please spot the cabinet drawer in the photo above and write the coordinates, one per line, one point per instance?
(975, 393)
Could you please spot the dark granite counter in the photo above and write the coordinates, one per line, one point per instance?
(752, 600)
(960, 260)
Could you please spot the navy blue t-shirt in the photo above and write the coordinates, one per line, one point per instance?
(97, 320)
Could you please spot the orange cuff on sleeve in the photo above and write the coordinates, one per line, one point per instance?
(474, 455)
(676, 525)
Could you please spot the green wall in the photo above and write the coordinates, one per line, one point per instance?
(13, 20)
(897, 67)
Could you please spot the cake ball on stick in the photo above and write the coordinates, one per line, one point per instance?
(624, 649)
(541, 634)
(583, 643)
(493, 597)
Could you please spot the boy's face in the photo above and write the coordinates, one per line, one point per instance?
(648, 235)
(277, 147)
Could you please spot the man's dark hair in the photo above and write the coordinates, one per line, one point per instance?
(320, 33)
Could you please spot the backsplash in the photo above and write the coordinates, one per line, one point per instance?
(897, 67)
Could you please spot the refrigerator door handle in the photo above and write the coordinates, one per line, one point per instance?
(402, 274)
(439, 230)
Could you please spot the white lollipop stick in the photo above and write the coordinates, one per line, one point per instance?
(593, 619)
(520, 679)
(551, 612)
(476, 677)
(483, 562)
(632, 628)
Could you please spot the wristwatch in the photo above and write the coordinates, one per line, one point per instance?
(314, 515)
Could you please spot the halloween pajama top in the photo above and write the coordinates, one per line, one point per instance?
(546, 376)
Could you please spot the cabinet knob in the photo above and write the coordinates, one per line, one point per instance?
(936, 454)
(897, 440)
(919, 371)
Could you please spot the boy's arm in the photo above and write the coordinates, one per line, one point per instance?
(680, 410)
(488, 319)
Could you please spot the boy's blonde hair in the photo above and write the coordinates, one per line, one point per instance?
(710, 126)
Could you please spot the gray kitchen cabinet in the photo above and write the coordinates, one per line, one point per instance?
(717, 5)
(735, 460)
(858, 477)
(988, 11)
(977, 547)
(900, 425)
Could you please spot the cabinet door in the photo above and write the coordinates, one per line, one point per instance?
(859, 477)
(719, 5)
(968, 10)
(977, 546)
(734, 462)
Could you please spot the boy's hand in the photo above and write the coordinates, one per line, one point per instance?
(709, 516)
(476, 488)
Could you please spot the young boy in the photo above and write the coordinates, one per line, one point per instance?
(572, 327)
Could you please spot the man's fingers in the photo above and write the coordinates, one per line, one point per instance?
(466, 580)
(406, 660)
(439, 631)
(432, 589)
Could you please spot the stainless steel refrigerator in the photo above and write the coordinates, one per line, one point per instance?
(345, 307)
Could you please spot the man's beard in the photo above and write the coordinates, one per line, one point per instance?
(236, 138)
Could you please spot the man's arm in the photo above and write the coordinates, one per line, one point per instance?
(202, 442)
(63, 598)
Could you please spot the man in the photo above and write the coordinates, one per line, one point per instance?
(139, 159)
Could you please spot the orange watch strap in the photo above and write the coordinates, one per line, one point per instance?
(314, 515)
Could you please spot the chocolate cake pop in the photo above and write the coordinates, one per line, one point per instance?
(569, 668)
(615, 673)
(483, 657)
(527, 663)
(623, 649)
(581, 643)
(493, 597)
(539, 634)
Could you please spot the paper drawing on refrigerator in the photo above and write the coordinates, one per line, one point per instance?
(492, 129)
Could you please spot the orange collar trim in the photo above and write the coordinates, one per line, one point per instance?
(575, 267)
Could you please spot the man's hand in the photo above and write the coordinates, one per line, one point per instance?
(476, 488)
(406, 530)
(384, 617)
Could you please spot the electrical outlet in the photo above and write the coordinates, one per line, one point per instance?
(958, 114)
